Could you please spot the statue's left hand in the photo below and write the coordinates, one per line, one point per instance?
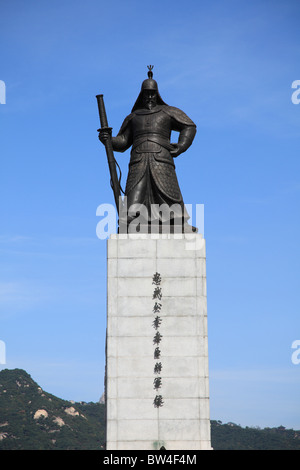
(177, 150)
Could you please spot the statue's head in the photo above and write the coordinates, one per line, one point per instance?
(149, 96)
(149, 90)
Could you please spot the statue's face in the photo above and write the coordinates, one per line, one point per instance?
(149, 98)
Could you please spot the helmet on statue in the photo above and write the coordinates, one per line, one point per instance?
(151, 85)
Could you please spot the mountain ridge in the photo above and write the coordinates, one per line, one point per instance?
(33, 419)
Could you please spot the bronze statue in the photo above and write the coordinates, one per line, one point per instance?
(152, 180)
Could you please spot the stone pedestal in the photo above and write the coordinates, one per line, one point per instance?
(157, 391)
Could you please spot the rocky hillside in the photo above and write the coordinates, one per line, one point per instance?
(31, 418)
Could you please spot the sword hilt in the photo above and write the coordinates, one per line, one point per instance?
(102, 112)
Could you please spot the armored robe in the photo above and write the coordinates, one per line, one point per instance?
(151, 178)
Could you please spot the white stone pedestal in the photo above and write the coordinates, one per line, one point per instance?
(157, 337)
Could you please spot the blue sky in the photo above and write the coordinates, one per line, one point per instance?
(230, 66)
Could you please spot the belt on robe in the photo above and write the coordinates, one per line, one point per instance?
(155, 138)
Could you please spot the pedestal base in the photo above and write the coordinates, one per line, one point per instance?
(157, 390)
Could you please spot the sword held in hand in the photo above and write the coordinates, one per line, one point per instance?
(115, 183)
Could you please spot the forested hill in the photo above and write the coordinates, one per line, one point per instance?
(31, 418)
(230, 436)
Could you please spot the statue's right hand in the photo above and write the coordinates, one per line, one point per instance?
(104, 135)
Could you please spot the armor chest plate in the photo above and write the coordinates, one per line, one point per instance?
(151, 123)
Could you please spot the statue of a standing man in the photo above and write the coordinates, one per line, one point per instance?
(151, 179)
